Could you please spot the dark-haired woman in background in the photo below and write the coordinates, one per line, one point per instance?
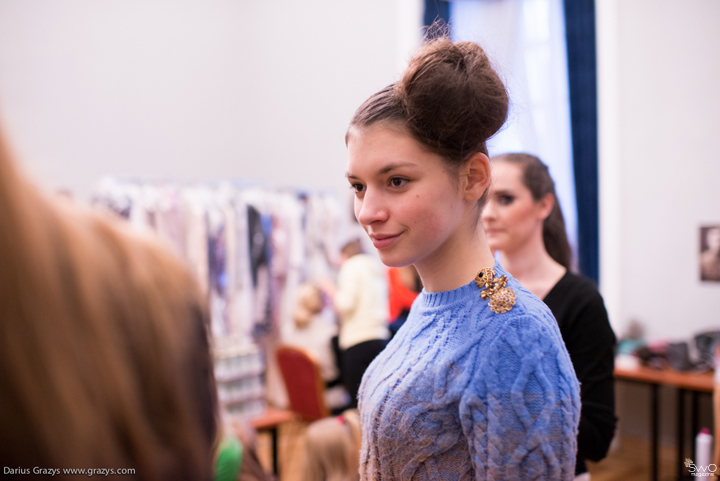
(524, 222)
(477, 384)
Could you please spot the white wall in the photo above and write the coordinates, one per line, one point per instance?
(659, 68)
(191, 90)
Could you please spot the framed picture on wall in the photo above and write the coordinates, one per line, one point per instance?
(710, 253)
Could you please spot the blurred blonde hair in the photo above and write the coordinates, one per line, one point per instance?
(332, 448)
(309, 303)
(352, 248)
(104, 356)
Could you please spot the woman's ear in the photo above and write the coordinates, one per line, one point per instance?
(477, 176)
(546, 205)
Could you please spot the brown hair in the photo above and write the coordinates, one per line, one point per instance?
(104, 355)
(449, 99)
(536, 177)
(309, 304)
(352, 248)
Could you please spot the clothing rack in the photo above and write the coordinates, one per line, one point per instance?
(250, 247)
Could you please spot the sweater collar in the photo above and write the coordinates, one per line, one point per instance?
(433, 300)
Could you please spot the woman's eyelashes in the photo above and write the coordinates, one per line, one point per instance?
(392, 182)
(398, 182)
(357, 188)
(504, 199)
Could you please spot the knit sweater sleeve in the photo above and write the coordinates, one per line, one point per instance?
(520, 412)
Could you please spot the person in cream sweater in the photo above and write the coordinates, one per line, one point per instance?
(361, 301)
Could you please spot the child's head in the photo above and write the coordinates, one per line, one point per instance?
(332, 448)
(350, 249)
(309, 303)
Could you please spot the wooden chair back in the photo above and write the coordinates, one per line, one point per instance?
(305, 387)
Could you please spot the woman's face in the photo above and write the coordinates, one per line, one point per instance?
(404, 196)
(713, 239)
(511, 217)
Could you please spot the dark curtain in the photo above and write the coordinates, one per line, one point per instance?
(582, 77)
(436, 10)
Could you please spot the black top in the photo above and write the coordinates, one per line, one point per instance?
(580, 312)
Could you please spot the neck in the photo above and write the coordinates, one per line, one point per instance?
(456, 263)
(530, 263)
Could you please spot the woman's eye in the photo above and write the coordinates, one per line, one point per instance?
(358, 188)
(505, 199)
(398, 182)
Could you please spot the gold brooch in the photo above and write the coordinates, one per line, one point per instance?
(502, 298)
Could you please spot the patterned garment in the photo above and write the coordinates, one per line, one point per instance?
(463, 393)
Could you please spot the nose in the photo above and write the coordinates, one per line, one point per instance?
(371, 208)
(488, 212)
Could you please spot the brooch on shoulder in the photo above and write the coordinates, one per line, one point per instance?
(502, 299)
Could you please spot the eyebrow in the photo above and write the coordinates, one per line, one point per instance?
(386, 169)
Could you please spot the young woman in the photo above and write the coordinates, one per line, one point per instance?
(523, 221)
(477, 384)
(104, 357)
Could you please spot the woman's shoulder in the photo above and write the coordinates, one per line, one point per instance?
(526, 339)
(574, 293)
(575, 285)
(528, 307)
(479, 315)
(530, 324)
(576, 301)
(528, 318)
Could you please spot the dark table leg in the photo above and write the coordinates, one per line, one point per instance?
(274, 434)
(694, 419)
(654, 447)
(680, 433)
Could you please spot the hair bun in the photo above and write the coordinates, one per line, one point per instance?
(454, 100)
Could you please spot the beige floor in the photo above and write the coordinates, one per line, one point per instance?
(630, 461)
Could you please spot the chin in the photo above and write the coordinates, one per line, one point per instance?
(494, 247)
(394, 260)
(494, 244)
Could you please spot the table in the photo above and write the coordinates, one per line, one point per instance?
(684, 381)
(269, 421)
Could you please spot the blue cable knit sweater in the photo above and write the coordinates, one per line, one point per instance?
(464, 393)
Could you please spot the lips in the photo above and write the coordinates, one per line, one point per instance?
(382, 241)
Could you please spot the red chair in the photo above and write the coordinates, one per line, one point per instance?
(305, 387)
